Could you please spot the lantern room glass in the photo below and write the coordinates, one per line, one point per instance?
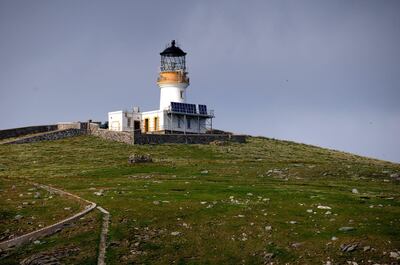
(173, 63)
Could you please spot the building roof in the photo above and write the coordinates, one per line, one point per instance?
(173, 51)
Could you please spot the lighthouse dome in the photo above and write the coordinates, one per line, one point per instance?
(173, 51)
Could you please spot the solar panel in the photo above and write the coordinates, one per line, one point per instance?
(183, 107)
(203, 109)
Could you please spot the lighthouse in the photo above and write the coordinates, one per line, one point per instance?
(175, 114)
(173, 79)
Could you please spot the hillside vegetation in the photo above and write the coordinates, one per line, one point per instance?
(266, 201)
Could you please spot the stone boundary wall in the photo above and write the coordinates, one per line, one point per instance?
(187, 139)
(48, 136)
(16, 132)
(126, 137)
(123, 137)
(51, 229)
(70, 130)
(68, 125)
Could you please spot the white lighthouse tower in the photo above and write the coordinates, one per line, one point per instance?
(175, 114)
(173, 79)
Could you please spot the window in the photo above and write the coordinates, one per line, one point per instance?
(188, 123)
(182, 94)
(179, 122)
(146, 125)
(155, 124)
(129, 122)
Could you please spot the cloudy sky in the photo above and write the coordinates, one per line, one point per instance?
(320, 72)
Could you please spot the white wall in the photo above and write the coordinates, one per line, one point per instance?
(150, 115)
(172, 93)
(115, 120)
(118, 120)
(177, 123)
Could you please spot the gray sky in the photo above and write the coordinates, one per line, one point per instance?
(318, 72)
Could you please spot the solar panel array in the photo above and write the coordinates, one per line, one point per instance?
(188, 108)
(203, 109)
(183, 107)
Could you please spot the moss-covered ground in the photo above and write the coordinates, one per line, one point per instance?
(252, 203)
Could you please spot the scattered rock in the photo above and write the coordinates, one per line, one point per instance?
(297, 244)
(204, 172)
(324, 207)
(139, 158)
(98, 193)
(366, 248)
(175, 233)
(394, 255)
(17, 217)
(348, 247)
(268, 257)
(292, 222)
(217, 142)
(52, 257)
(36, 242)
(268, 228)
(37, 195)
(334, 238)
(156, 202)
(346, 228)
(355, 191)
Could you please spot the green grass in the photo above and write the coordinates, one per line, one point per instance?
(220, 216)
(25, 208)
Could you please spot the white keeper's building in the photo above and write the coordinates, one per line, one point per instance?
(175, 115)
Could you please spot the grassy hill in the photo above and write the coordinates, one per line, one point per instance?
(255, 203)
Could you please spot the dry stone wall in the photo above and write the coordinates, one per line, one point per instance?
(17, 132)
(49, 136)
(123, 137)
(127, 137)
(187, 139)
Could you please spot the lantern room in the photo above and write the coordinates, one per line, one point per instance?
(173, 59)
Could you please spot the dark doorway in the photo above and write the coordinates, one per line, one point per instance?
(146, 125)
(136, 125)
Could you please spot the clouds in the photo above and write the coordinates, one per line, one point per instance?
(311, 71)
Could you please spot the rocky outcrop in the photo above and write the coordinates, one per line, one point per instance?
(139, 158)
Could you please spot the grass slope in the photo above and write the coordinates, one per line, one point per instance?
(250, 203)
